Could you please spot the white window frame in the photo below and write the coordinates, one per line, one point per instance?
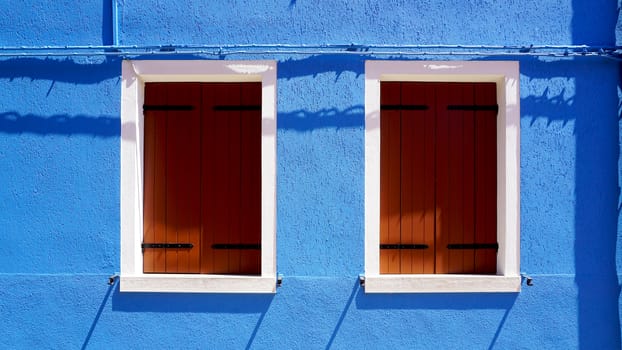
(506, 75)
(135, 73)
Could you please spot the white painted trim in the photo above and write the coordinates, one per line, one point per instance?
(506, 75)
(134, 76)
(442, 284)
(182, 283)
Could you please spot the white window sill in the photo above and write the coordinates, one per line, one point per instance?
(442, 284)
(185, 283)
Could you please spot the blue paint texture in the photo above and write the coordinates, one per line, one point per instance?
(59, 180)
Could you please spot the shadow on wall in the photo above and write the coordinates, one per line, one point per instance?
(597, 154)
(97, 316)
(596, 213)
(61, 124)
(197, 303)
(453, 301)
(593, 108)
(318, 64)
(460, 301)
(188, 302)
(67, 70)
(556, 108)
(300, 120)
(84, 71)
(185, 303)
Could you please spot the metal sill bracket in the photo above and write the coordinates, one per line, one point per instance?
(279, 280)
(527, 279)
(113, 279)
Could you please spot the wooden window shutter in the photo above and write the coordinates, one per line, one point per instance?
(231, 181)
(171, 173)
(438, 178)
(407, 179)
(202, 168)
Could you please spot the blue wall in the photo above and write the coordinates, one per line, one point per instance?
(59, 181)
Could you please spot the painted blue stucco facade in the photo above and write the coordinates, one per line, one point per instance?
(60, 173)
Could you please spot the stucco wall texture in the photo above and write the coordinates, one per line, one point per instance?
(59, 181)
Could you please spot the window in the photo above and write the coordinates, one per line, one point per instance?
(198, 176)
(202, 178)
(441, 177)
(437, 178)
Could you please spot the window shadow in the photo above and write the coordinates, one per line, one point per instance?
(70, 70)
(191, 302)
(196, 303)
(435, 301)
(422, 301)
(185, 303)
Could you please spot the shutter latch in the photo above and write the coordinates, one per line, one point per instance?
(167, 245)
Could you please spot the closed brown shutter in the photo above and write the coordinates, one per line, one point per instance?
(202, 171)
(438, 178)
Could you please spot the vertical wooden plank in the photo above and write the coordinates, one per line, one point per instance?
(390, 210)
(429, 181)
(234, 194)
(193, 187)
(209, 205)
(442, 178)
(411, 154)
(160, 199)
(417, 178)
(486, 180)
(220, 165)
(250, 185)
(172, 179)
(153, 95)
(455, 210)
(156, 96)
(469, 181)
(214, 180)
(184, 139)
(174, 211)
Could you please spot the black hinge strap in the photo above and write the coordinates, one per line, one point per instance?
(403, 246)
(404, 107)
(235, 246)
(476, 108)
(240, 108)
(474, 246)
(164, 108)
(167, 245)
